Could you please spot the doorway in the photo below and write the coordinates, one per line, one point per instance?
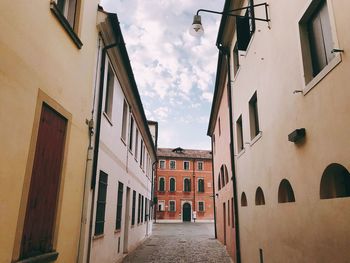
(186, 212)
(127, 221)
(41, 210)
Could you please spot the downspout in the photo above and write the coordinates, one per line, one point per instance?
(226, 52)
(97, 140)
(154, 167)
(155, 186)
(213, 179)
(88, 170)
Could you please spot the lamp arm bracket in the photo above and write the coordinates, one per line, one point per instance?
(231, 12)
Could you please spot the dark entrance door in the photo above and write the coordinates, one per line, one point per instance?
(186, 211)
(37, 237)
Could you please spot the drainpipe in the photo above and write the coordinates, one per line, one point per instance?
(226, 52)
(213, 179)
(154, 169)
(97, 140)
(155, 195)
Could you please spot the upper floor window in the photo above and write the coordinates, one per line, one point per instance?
(109, 92)
(172, 185)
(162, 164)
(141, 153)
(200, 166)
(245, 27)
(124, 120)
(172, 164)
(254, 116)
(335, 182)
(186, 165)
(161, 184)
(187, 185)
(68, 9)
(201, 185)
(239, 130)
(131, 132)
(136, 143)
(219, 126)
(235, 60)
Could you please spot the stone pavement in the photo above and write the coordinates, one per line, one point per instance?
(180, 243)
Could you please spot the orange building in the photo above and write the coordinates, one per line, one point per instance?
(183, 186)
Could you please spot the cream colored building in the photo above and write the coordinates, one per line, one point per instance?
(290, 107)
(47, 66)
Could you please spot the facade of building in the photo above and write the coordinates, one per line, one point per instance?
(183, 186)
(47, 65)
(288, 129)
(122, 175)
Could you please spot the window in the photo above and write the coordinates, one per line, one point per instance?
(187, 185)
(245, 27)
(201, 206)
(259, 197)
(235, 60)
(142, 203)
(335, 182)
(141, 153)
(201, 185)
(139, 210)
(161, 205)
(68, 9)
(285, 192)
(125, 119)
(200, 166)
(109, 92)
(253, 116)
(162, 164)
(131, 132)
(101, 203)
(213, 143)
(222, 175)
(219, 181)
(239, 130)
(244, 200)
(133, 208)
(172, 207)
(119, 206)
(316, 39)
(136, 143)
(161, 184)
(186, 165)
(172, 184)
(146, 209)
(172, 164)
(219, 126)
(232, 214)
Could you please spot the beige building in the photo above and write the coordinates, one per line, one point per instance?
(290, 125)
(47, 66)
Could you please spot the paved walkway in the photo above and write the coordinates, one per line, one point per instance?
(180, 243)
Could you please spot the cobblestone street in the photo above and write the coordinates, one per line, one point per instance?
(187, 243)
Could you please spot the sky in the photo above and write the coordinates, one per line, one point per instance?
(174, 71)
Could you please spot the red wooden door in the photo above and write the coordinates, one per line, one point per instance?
(41, 208)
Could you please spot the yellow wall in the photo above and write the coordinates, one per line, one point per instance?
(40, 61)
(309, 230)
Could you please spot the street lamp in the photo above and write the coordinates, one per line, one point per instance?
(197, 27)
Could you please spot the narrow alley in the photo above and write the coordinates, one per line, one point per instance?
(183, 242)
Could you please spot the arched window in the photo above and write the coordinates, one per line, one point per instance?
(161, 184)
(222, 175)
(219, 182)
(259, 197)
(172, 184)
(285, 192)
(226, 174)
(244, 200)
(187, 185)
(201, 185)
(335, 182)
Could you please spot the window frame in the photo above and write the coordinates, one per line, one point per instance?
(184, 185)
(163, 206)
(170, 167)
(159, 181)
(131, 132)
(170, 178)
(254, 116)
(169, 209)
(198, 165)
(118, 220)
(108, 105)
(198, 185)
(124, 121)
(160, 164)
(189, 166)
(239, 134)
(203, 210)
(101, 203)
(133, 211)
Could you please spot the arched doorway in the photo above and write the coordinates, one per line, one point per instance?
(186, 212)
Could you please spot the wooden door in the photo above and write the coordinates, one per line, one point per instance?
(186, 212)
(37, 237)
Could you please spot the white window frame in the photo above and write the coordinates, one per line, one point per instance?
(125, 112)
(200, 162)
(310, 81)
(174, 164)
(183, 181)
(170, 206)
(162, 203)
(200, 178)
(172, 177)
(160, 162)
(203, 206)
(189, 165)
(161, 177)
